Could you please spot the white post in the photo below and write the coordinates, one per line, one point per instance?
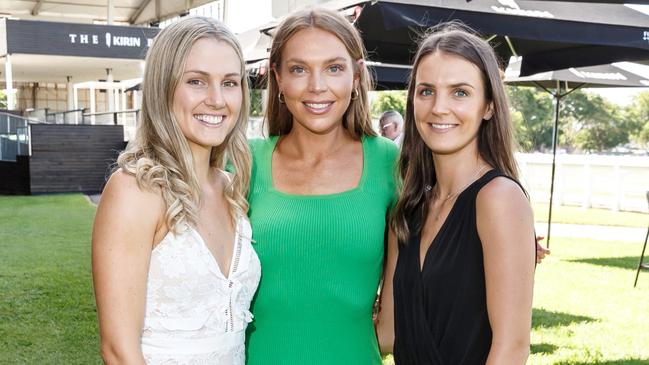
(9, 82)
(559, 182)
(617, 174)
(92, 104)
(76, 104)
(109, 12)
(110, 93)
(70, 98)
(588, 184)
(123, 107)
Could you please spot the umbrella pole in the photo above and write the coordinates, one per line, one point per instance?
(555, 132)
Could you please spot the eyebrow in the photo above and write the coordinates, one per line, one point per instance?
(458, 84)
(334, 59)
(231, 74)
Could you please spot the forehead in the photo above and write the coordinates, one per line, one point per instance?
(387, 120)
(314, 44)
(205, 52)
(442, 69)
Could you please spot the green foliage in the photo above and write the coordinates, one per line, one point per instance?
(587, 121)
(3, 100)
(591, 123)
(532, 117)
(389, 100)
(637, 117)
(256, 103)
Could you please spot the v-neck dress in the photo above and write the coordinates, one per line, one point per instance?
(322, 257)
(194, 314)
(441, 311)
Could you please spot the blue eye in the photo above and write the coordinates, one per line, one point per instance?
(461, 93)
(195, 82)
(425, 92)
(335, 68)
(297, 70)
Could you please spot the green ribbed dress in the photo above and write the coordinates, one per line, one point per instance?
(321, 259)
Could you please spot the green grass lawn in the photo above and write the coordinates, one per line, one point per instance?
(585, 308)
(47, 309)
(578, 215)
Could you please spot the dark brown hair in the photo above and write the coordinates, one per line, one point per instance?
(495, 141)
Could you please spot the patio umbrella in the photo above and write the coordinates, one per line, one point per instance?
(563, 82)
(549, 35)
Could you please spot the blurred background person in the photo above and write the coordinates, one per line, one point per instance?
(391, 126)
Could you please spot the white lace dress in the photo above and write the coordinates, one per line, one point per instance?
(194, 314)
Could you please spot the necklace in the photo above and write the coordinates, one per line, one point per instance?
(457, 192)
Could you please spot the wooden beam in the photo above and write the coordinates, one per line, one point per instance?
(139, 11)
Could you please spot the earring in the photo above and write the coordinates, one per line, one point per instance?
(354, 94)
(279, 97)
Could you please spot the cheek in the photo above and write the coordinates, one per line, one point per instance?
(419, 108)
(342, 85)
(235, 99)
(293, 86)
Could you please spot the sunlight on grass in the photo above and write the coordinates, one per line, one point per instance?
(586, 310)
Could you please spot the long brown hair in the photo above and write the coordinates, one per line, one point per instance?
(159, 155)
(357, 117)
(495, 141)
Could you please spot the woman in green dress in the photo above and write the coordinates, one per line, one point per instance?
(321, 189)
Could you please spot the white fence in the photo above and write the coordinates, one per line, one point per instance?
(612, 182)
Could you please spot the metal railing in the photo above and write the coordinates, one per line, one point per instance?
(123, 117)
(14, 136)
(74, 116)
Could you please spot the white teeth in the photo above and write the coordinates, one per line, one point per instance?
(209, 119)
(317, 106)
(442, 126)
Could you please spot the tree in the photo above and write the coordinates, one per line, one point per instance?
(256, 103)
(389, 100)
(592, 123)
(636, 117)
(3, 100)
(532, 114)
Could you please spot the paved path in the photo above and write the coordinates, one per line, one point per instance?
(94, 198)
(603, 233)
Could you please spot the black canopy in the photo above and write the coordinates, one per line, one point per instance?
(550, 35)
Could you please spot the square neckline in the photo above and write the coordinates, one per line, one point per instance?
(357, 188)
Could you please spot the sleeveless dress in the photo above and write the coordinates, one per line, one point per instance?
(441, 312)
(322, 257)
(194, 313)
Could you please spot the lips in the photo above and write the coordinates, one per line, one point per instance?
(210, 119)
(442, 127)
(319, 107)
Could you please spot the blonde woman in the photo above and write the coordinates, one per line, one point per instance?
(173, 267)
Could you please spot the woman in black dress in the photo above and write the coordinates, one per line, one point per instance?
(463, 273)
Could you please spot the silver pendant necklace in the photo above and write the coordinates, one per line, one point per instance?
(455, 193)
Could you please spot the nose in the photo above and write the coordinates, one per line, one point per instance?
(440, 105)
(317, 83)
(214, 97)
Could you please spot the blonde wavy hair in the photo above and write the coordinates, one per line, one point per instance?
(357, 117)
(159, 155)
